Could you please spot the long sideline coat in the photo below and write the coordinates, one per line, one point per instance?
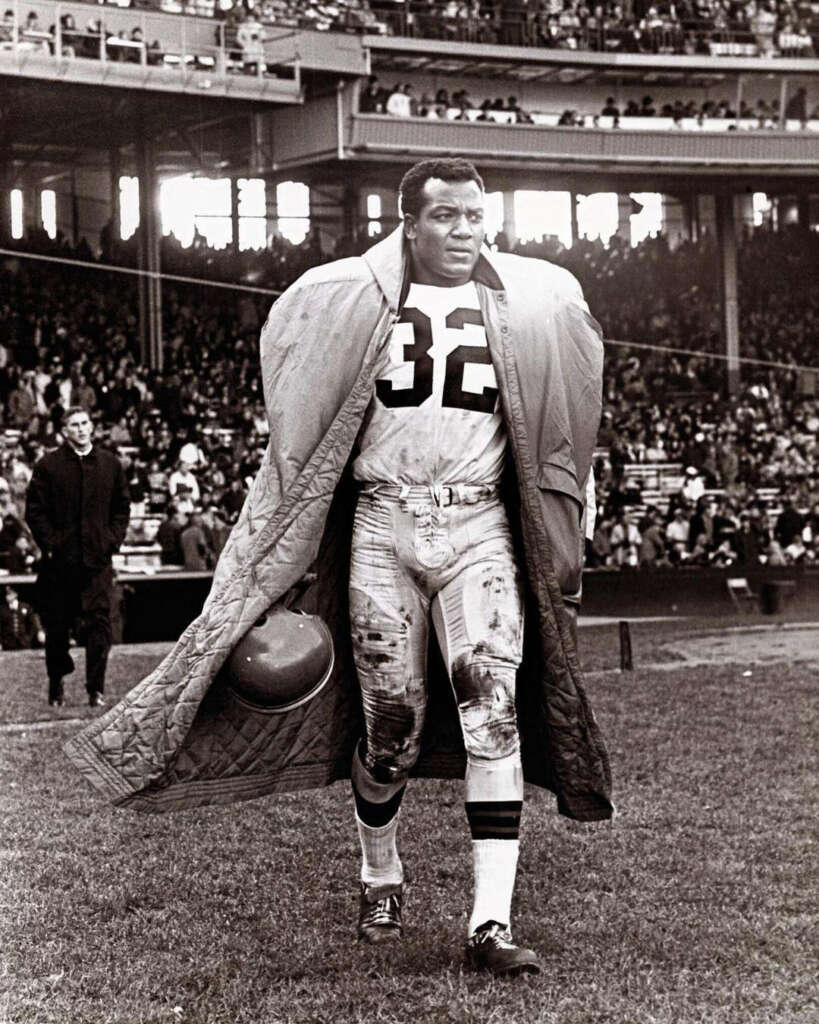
(178, 740)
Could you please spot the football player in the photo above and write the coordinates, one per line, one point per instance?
(432, 545)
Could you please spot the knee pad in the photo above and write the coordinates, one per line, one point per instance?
(486, 703)
(377, 779)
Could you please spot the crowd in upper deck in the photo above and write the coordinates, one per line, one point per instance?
(767, 28)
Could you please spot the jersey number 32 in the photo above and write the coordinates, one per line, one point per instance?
(454, 396)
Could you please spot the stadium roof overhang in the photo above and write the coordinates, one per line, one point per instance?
(363, 174)
(47, 128)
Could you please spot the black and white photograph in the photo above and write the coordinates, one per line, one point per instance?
(409, 480)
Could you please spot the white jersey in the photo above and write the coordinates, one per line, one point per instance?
(435, 416)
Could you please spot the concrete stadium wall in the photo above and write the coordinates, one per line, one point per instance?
(696, 591)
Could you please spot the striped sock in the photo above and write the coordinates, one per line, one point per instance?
(495, 827)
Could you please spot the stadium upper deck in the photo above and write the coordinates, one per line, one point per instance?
(787, 28)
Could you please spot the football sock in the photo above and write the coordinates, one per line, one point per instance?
(380, 863)
(495, 863)
(493, 806)
(377, 812)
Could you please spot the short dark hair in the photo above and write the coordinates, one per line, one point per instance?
(450, 169)
(73, 410)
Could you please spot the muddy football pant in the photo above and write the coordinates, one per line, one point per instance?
(413, 560)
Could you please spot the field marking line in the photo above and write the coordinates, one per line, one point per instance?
(40, 726)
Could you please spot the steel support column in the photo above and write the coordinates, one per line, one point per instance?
(624, 206)
(148, 238)
(234, 212)
(509, 225)
(727, 242)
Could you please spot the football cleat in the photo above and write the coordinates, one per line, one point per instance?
(491, 949)
(379, 913)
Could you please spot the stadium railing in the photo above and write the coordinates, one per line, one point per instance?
(551, 119)
(662, 35)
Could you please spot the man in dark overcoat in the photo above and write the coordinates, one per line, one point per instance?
(78, 508)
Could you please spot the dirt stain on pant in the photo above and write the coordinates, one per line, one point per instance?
(486, 703)
(394, 697)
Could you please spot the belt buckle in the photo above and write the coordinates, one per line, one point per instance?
(447, 495)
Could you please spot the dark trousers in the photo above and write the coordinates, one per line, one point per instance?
(76, 598)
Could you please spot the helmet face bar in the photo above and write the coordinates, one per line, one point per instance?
(282, 661)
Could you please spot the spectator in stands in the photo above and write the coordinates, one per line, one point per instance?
(520, 115)
(134, 53)
(372, 97)
(764, 26)
(191, 454)
(234, 499)
(215, 527)
(789, 523)
(138, 484)
(7, 26)
(168, 536)
(723, 556)
(796, 108)
(398, 102)
(796, 551)
(32, 35)
(249, 37)
(20, 405)
(701, 523)
(647, 108)
(185, 501)
(20, 626)
(196, 553)
(598, 549)
(181, 477)
(749, 542)
(653, 546)
(725, 523)
(68, 35)
(610, 109)
(694, 485)
(625, 540)
(677, 534)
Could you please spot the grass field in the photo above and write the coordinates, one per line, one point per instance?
(697, 904)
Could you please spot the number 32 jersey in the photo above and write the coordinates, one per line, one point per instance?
(435, 416)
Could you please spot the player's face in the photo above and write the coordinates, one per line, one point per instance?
(445, 238)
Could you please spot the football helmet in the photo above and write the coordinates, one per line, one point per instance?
(282, 661)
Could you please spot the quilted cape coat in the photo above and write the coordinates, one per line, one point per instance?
(179, 740)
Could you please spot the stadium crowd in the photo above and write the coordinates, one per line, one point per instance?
(401, 100)
(192, 436)
(767, 28)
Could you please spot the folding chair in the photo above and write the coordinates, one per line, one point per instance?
(745, 600)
